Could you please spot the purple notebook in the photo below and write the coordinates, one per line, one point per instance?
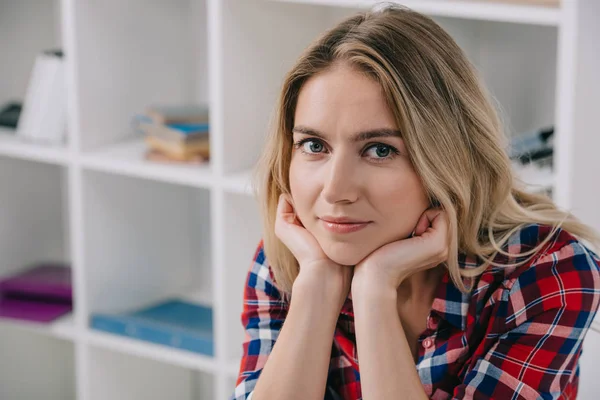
(41, 293)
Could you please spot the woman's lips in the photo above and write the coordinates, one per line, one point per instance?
(343, 228)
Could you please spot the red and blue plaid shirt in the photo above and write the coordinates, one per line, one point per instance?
(517, 335)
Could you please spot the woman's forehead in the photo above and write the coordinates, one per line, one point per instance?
(342, 100)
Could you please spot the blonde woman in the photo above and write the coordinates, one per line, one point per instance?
(400, 258)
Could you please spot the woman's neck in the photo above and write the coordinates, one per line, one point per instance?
(421, 285)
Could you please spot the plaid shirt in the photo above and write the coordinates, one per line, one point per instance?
(517, 335)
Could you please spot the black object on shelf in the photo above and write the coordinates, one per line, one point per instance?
(9, 114)
(533, 146)
(54, 52)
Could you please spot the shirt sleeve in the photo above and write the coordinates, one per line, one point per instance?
(262, 317)
(543, 318)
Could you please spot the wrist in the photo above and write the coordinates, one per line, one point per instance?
(375, 291)
(318, 286)
(366, 282)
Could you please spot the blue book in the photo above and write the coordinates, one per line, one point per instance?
(189, 129)
(173, 323)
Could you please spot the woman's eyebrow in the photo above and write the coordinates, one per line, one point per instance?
(359, 137)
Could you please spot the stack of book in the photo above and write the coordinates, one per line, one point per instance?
(40, 293)
(176, 133)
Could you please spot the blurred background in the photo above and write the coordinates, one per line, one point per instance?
(128, 132)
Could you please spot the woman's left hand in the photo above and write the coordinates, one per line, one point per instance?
(391, 264)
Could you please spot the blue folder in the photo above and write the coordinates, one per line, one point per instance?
(172, 322)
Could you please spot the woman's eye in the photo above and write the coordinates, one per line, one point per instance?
(310, 146)
(381, 151)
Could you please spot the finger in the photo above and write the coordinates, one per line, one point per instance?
(285, 209)
(440, 228)
(422, 224)
(288, 231)
(438, 219)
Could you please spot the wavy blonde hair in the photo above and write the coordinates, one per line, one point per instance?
(450, 127)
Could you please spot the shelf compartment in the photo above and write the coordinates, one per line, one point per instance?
(144, 242)
(135, 56)
(116, 375)
(35, 366)
(34, 229)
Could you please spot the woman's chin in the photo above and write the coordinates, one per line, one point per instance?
(344, 253)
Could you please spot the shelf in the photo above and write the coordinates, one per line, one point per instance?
(13, 146)
(477, 10)
(127, 159)
(537, 179)
(62, 328)
(152, 351)
(239, 183)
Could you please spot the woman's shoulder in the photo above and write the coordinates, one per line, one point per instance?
(562, 255)
(563, 274)
(562, 277)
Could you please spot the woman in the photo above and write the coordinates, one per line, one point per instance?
(400, 258)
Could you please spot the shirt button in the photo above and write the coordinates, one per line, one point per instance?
(427, 343)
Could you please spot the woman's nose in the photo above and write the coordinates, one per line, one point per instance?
(340, 180)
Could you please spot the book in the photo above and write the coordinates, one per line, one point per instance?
(157, 156)
(180, 133)
(45, 281)
(179, 151)
(43, 117)
(41, 293)
(32, 310)
(171, 322)
(178, 113)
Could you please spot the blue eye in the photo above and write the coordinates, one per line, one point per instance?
(310, 146)
(313, 146)
(382, 152)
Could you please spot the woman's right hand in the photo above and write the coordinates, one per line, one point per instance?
(315, 267)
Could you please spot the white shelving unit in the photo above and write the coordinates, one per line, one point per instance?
(136, 231)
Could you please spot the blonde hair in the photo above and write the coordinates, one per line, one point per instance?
(453, 134)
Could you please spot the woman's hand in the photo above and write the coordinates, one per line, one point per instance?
(318, 270)
(391, 264)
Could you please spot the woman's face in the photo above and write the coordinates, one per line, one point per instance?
(349, 161)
